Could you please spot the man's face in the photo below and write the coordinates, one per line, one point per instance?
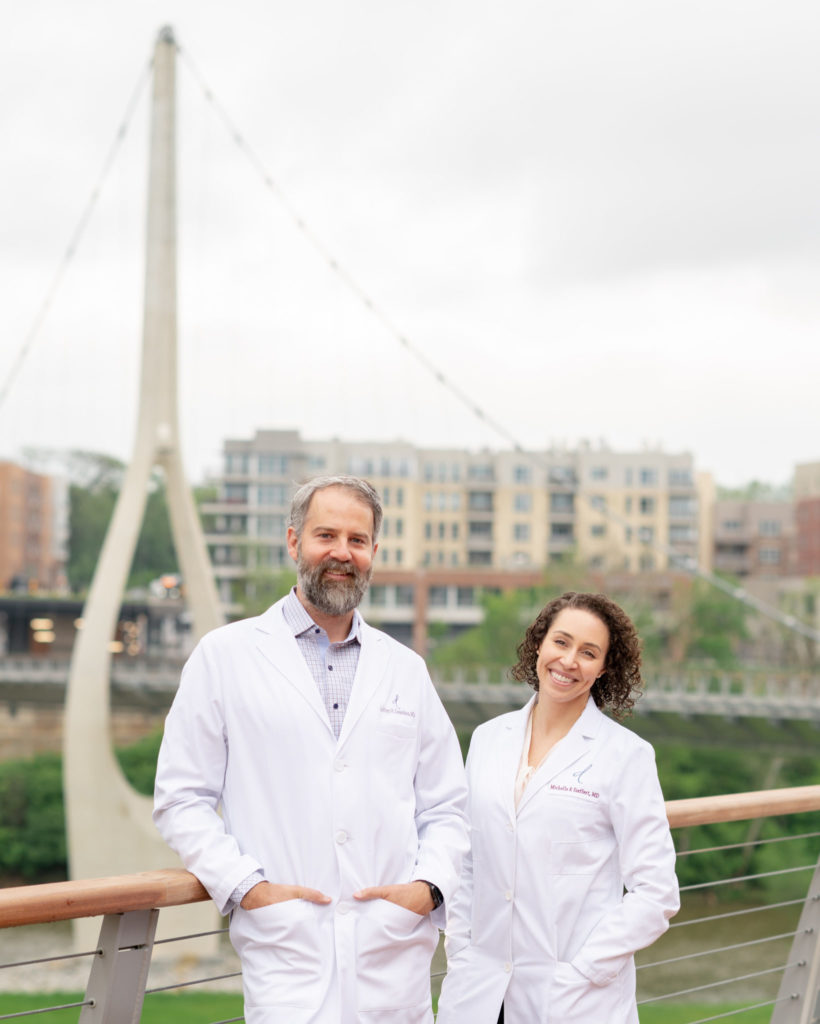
(334, 555)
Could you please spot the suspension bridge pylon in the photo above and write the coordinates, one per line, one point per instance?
(109, 827)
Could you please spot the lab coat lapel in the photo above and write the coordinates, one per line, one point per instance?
(508, 754)
(278, 645)
(577, 742)
(373, 661)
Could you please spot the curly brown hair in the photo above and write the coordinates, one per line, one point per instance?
(619, 685)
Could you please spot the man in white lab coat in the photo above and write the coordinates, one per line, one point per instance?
(340, 780)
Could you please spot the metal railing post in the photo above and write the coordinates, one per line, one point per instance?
(116, 984)
(799, 995)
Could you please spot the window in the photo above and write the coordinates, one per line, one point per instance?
(429, 471)
(731, 525)
(597, 501)
(480, 531)
(454, 531)
(465, 597)
(385, 496)
(647, 506)
(648, 477)
(399, 527)
(598, 473)
(680, 477)
(522, 502)
(521, 531)
(400, 494)
(562, 503)
(480, 471)
(428, 530)
(522, 474)
(561, 531)
(378, 595)
(682, 533)
(479, 558)
(442, 501)
(438, 597)
(770, 527)
(271, 495)
(682, 508)
(597, 530)
(769, 556)
(455, 501)
(481, 501)
(273, 465)
(647, 562)
(442, 528)
(236, 463)
(270, 526)
(385, 527)
(399, 556)
(237, 493)
(428, 501)
(646, 534)
(404, 595)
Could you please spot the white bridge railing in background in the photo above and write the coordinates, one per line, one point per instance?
(751, 693)
(131, 905)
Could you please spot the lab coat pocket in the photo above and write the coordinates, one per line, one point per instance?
(279, 948)
(394, 947)
(575, 1000)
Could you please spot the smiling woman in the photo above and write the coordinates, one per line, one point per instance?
(566, 812)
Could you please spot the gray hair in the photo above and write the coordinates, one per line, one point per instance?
(361, 489)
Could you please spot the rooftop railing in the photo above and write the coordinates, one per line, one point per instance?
(745, 955)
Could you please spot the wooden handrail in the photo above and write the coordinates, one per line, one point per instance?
(90, 897)
(765, 803)
(170, 887)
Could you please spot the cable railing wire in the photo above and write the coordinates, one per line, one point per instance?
(46, 1009)
(746, 878)
(76, 237)
(717, 984)
(749, 843)
(719, 949)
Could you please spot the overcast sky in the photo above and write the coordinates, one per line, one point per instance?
(599, 219)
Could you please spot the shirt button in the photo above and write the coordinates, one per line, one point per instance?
(508, 895)
(340, 766)
(508, 967)
(510, 827)
(342, 908)
(341, 836)
(330, 668)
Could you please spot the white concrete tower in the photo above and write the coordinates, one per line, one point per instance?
(110, 831)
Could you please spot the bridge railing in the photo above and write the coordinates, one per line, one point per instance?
(131, 904)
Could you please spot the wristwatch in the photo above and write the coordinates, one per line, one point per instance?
(435, 893)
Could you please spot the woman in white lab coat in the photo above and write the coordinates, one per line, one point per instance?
(566, 813)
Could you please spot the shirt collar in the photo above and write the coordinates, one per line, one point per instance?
(299, 621)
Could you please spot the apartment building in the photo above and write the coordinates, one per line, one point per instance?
(33, 529)
(461, 511)
(755, 538)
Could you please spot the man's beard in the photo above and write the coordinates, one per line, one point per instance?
(329, 596)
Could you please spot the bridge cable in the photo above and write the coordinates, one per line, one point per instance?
(76, 237)
(684, 562)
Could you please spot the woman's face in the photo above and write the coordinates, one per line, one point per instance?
(571, 657)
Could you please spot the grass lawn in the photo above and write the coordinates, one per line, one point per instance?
(204, 1008)
(162, 1008)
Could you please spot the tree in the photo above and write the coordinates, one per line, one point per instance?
(716, 625)
(96, 481)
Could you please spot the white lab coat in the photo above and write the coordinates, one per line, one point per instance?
(383, 804)
(540, 920)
